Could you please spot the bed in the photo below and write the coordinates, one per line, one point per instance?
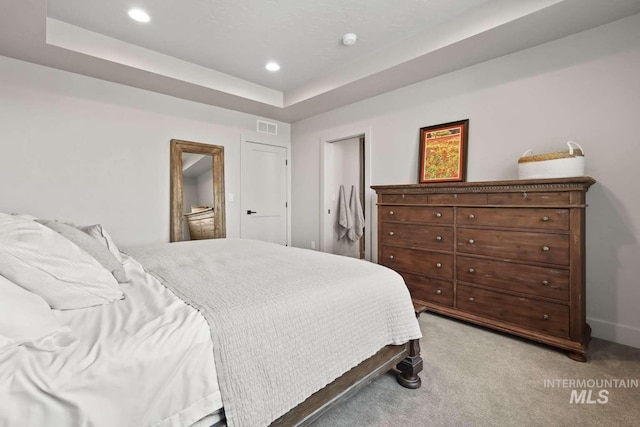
(207, 333)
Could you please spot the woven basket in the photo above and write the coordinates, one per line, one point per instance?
(562, 164)
(195, 208)
(201, 224)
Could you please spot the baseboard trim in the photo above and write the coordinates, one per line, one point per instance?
(616, 332)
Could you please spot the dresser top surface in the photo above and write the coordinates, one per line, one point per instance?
(553, 184)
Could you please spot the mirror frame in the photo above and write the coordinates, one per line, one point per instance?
(216, 152)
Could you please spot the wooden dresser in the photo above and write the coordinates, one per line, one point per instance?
(509, 255)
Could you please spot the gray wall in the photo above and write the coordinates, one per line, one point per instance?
(189, 193)
(88, 151)
(205, 188)
(584, 88)
(189, 198)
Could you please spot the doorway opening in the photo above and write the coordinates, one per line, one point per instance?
(345, 171)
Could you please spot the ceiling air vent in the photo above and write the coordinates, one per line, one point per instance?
(266, 127)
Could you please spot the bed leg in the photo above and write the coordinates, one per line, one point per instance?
(410, 367)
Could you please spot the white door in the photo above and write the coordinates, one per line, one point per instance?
(264, 193)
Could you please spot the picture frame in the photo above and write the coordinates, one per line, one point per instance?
(443, 152)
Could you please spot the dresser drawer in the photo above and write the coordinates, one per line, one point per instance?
(529, 279)
(417, 235)
(429, 290)
(458, 199)
(524, 198)
(515, 245)
(408, 260)
(442, 215)
(410, 199)
(543, 219)
(530, 313)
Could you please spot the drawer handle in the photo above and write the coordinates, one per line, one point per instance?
(545, 282)
(472, 270)
(439, 291)
(545, 218)
(439, 238)
(545, 317)
(546, 248)
(471, 216)
(438, 215)
(391, 233)
(391, 212)
(390, 256)
(471, 241)
(439, 265)
(472, 299)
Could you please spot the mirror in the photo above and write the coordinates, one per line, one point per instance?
(197, 191)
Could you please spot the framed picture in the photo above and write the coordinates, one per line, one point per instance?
(443, 152)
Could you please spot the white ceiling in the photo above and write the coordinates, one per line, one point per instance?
(214, 51)
(239, 37)
(194, 165)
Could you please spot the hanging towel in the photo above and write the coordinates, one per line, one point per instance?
(345, 219)
(357, 229)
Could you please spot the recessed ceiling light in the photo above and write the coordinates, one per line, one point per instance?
(139, 15)
(349, 39)
(272, 66)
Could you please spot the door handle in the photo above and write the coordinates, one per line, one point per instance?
(249, 212)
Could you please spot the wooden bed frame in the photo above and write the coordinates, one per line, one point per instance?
(406, 359)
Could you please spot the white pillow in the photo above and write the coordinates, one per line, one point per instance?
(98, 232)
(94, 247)
(26, 319)
(24, 216)
(45, 263)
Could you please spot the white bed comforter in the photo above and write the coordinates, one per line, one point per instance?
(285, 321)
(146, 360)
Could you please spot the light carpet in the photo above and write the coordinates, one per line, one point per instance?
(477, 377)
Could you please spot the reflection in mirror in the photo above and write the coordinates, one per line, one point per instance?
(197, 191)
(197, 196)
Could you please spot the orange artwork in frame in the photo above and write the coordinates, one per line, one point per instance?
(443, 152)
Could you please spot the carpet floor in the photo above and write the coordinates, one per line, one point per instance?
(476, 377)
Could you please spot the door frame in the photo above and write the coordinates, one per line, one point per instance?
(325, 166)
(258, 138)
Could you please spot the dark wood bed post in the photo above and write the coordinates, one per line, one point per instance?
(410, 367)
